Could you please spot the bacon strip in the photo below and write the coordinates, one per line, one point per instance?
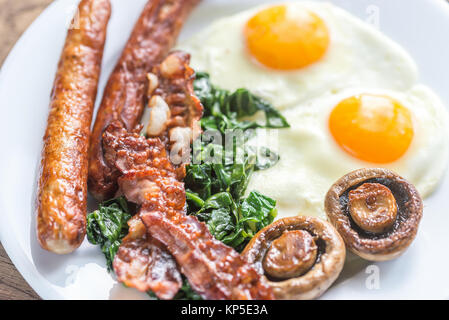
(143, 263)
(172, 81)
(214, 270)
(124, 98)
(148, 178)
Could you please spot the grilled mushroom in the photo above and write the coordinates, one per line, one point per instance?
(375, 211)
(299, 256)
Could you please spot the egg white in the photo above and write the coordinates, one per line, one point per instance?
(311, 161)
(358, 55)
(360, 59)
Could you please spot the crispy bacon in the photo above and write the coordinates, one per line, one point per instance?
(172, 81)
(129, 152)
(154, 33)
(214, 270)
(143, 263)
(140, 260)
(147, 176)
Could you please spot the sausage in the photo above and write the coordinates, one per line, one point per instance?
(125, 95)
(62, 188)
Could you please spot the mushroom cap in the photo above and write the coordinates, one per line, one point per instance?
(315, 281)
(386, 245)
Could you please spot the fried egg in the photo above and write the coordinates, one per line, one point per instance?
(293, 52)
(350, 94)
(332, 135)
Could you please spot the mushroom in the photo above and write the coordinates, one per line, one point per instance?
(376, 211)
(300, 257)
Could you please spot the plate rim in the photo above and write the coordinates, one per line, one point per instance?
(13, 249)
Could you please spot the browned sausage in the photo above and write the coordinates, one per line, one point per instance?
(62, 194)
(125, 94)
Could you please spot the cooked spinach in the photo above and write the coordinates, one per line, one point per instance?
(214, 189)
(107, 226)
(185, 292)
(211, 177)
(213, 169)
(256, 212)
(216, 181)
(223, 109)
(235, 222)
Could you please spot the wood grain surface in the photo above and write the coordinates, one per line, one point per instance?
(12, 285)
(15, 17)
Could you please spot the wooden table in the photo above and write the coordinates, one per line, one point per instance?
(12, 285)
(15, 17)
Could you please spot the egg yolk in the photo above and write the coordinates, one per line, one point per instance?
(281, 39)
(372, 128)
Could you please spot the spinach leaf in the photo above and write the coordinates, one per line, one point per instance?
(217, 212)
(215, 188)
(222, 108)
(185, 292)
(257, 211)
(214, 170)
(206, 178)
(235, 223)
(107, 226)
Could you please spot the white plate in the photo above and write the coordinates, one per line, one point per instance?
(25, 84)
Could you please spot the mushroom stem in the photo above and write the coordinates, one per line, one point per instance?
(290, 255)
(373, 207)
